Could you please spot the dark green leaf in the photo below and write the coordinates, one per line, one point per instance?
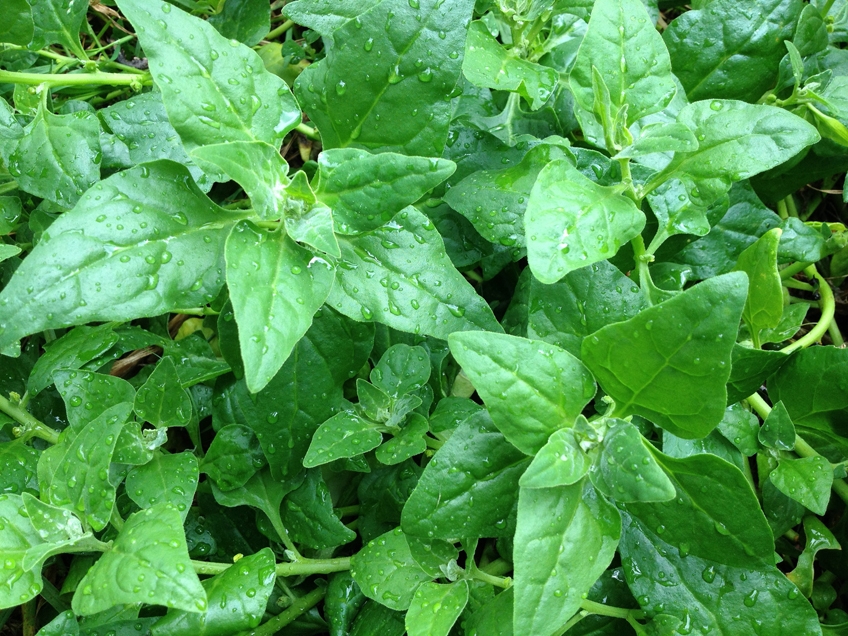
(17, 27)
(818, 538)
(87, 395)
(806, 480)
(343, 435)
(247, 21)
(435, 608)
(778, 431)
(161, 400)
(749, 370)
(71, 351)
(58, 21)
(18, 467)
(309, 517)
(560, 462)
(233, 457)
(165, 479)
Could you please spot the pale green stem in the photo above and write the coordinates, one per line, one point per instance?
(791, 283)
(794, 268)
(31, 427)
(75, 79)
(503, 582)
(828, 311)
(835, 334)
(308, 131)
(8, 187)
(299, 606)
(608, 610)
(301, 567)
(285, 26)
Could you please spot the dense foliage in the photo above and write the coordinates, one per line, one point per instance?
(437, 317)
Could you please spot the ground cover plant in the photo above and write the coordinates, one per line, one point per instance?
(373, 317)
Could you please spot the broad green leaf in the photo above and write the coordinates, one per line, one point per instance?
(749, 370)
(236, 600)
(233, 457)
(18, 467)
(781, 512)
(161, 400)
(308, 515)
(147, 563)
(572, 222)
(778, 431)
(494, 618)
(764, 306)
(818, 538)
(276, 287)
(72, 351)
(531, 388)
(325, 16)
(65, 624)
(195, 359)
(140, 243)
(435, 608)
(671, 362)
(626, 471)
(366, 190)
(386, 79)
(18, 540)
(52, 523)
(167, 478)
(58, 158)
(740, 427)
(676, 211)
(17, 26)
(8, 251)
(136, 446)
(256, 166)
(214, 89)
(433, 555)
(485, 475)
(386, 571)
(566, 537)
(661, 137)
(400, 275)
(88, 395)
(402, 369)
(375, 618)
(343, 601)
(813, 386)
(806, 480)
(791, 321)
(560, 462)
(628, 52)
(489, 65)
(313, 225)
(247, 21)
(580, 303)
(343, 435)
(408, 443)
(58, 21)
(730, 49)
(75, 472)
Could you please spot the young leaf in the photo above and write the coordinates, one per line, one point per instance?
(276, 287)
(778, 431)
(764, 306)
(400, 275)
(214, 89)
(661, 137)
(629, 53)
(531, 388)
(167, 478)
(233, 457)
(408, 443)
(566, 537)
(308, 515)
(749, 370)
(435, 608)
(53, 524)
(672, 361)
(140, 243)
(88, 395)
(313, 225)
(343, 435)
(57, 21)
(18, 467)
(147, 563)
(161, 400)
(73, 350)
(18, 540)
(806, 480)
(572, 222)
(818, 538)
(560, 462)
(402, 369)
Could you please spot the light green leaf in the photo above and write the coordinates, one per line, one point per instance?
(566, 537)
(628, 52)
(147, 563)
(791, 321)
(671, 362)
(309, 517)
(140, 243)
(75, 472)
(661, 137)
(343, 435)
(560, 462)
(367, 190)
(806, 480)
(73, 350)
(400, 275)
(313, 225)
(214, 89)
(8, 251)
(778, 431)
(18, 540)
(18, 467)
(233, 457)
(408, 443)
(161, 400)
(402, 369)
(167, 478)
(572, 222)
(58, 21)
(275, 287)
(17, 26)
(489, 65)
(136, 446)
(740, 427)
(88, 395)
(818, 538)
(764, 306)
(435, 608)
(531, 388)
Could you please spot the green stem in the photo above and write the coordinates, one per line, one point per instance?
(607, 610)
(197, 311)
(299, 606)
(642, 259)
(503, 582)
(301, 567)
(497, 567)
(791, 283)
(781, 209)
(828, 311)
(827, 7)
(835, 334)
(285, 26)
(75, 79)
(791, 210)
(31, 427)
(8, 187)
(579, 616)
(64, 59)
(308, 131)
(347, 511)
(794, 268)
(28, 616)
(757, 403)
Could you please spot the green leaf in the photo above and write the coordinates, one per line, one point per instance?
(136, 446)
(147, 563)
(237, 599)
(778, 431)
(18, 467)
(167, 478)
(740, 427)
(560, 462)
(72, 351)
(489, 65)
(818, 538)
(88, 395)
(75, 472)
(233, 457)
(790, 323)
(17, 27)
(402, 369)
(247, 21)
(374, 618)
(366, 190)
(343, 601)
(256, 166)
(485, 475)
(18, 584)
(566, 537)
(140, 243)
(65, 624)
(806, 480)
(58, 21)
(276, 287)
(308, 515)
(161, 400)
(214, 89)
(385, 81)
(628, 52)
(400, 275)
(531, 388)
(626, 471)
(53, 524)
(764, 306)
(315, 227)
(749, 370)
(8, 251)
(343, 435)
(572, 222)
(408, 443)
(58, 158)
(730, 50)
(386, 571)
(660, 137)
(435, 608)
(672, 361)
